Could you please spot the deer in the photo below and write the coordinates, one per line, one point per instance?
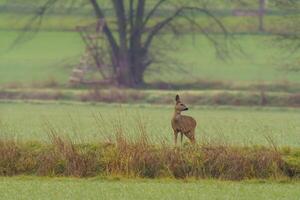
(181, 123)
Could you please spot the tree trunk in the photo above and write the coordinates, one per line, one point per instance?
(262, 4)
(131, 70)
(139, 73)
(124, 75)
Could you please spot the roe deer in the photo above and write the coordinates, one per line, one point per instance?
(184, 124)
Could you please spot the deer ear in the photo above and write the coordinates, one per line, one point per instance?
(177, 98)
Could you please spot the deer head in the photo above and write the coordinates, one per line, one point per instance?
(179, 106)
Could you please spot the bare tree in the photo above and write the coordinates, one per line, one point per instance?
(134, 26)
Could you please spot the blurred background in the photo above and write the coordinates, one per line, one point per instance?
(222, 44)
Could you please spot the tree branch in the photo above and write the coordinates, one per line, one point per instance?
(159, 26)
(152, 11)
(37, 17)
(131, 15)
(139, 14)
(99, 13)
(122, 23)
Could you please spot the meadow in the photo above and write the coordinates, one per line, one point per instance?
(51, 56)
(239, 137)
(52, 53)
(98, 188)
(85, 122)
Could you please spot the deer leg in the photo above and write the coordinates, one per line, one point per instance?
(181, 139)
(192, 137)
(175, 137)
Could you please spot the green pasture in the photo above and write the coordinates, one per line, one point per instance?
(52, 55)
(260, 61)
(93, 122)
(38, 59)
(97, 188)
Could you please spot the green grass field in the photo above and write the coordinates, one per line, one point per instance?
(39, 59)
(51, 55)
(97, 188)
(243, 126)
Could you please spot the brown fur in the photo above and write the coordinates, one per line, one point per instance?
(181, 123)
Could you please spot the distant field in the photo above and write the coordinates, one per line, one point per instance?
(97, 188)
(52, 53)
(51, 56)
(39, 59)
(243, 126)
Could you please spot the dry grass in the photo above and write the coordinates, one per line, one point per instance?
(113, 95)
(258, 98)
(32, 95)
(50, 82)
(139, 158)
(202, 84)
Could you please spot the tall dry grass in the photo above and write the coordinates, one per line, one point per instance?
(139, 157)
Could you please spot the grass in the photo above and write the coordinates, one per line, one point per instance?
(242, 126)
(49, 54)
(52, 53)
(119, 152)
(139, 158)
(97, 188)
(38, 59)
(260, 64)
(46, 60)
